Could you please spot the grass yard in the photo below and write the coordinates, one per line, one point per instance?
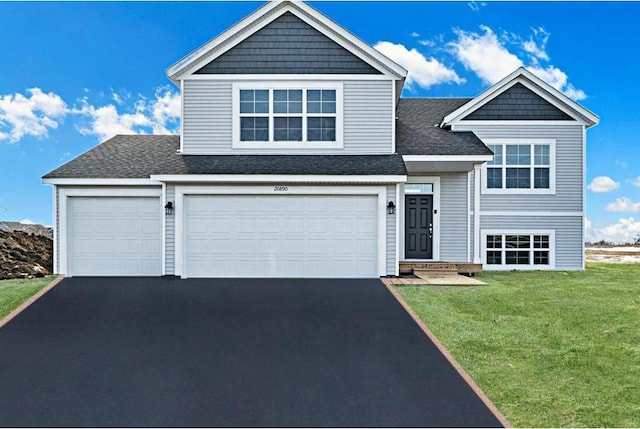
(15, 292)
(550, 349)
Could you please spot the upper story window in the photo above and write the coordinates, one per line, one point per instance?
(521, 166)
(302, 115)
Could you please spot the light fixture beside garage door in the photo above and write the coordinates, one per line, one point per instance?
(391, 208)
(168, 208)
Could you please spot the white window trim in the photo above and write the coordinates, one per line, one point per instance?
(303, 85)
(531, 191)
(436, 216)
(504, 267)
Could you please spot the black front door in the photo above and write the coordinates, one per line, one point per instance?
(418, 226)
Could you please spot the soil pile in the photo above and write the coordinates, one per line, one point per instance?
(24, 255)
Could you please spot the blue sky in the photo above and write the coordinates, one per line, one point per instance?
(73, 74)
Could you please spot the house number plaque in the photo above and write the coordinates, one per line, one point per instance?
(280, 188)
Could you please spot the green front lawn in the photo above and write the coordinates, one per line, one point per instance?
(550, 349)
(15, 292)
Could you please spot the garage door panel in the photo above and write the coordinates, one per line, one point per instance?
(114, 236)
(281, 236)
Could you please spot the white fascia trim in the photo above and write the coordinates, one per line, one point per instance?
(101, 182)
(447, 158)
(531, 213)
(471, 125)
(65, 193)
(535, 84)
(552, 249)
(185, 190)
(278, 77)
(268, 178)
(324, 25)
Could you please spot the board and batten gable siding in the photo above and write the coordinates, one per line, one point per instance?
(518, 103)
(208, 119)
(391, 232)
(569, 165)
(170, 234)
(287, 45)
(568, 234)
(453, 217)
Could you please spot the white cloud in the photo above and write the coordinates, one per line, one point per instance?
(537, 48)
(490, 60)
(31, 115)
(623, 164)
(27, 222)
(484, 54)
(602, 184)
(422, 71)
(475, 6)
(626, 230)
(636, 182)
(415, 34)
(624, 205)
(159, 115)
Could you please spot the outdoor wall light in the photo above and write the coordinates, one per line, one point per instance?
(391, 208)
(168, 208)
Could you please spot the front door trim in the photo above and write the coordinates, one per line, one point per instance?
(435, 180)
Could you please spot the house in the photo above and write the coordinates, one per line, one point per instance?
(297, 157)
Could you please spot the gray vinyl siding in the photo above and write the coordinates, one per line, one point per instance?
(391, 232)
(453, 214)
(569, 163)
(170, 234)
(208, 124)
(518, 103)
(207, 117)
(287, 45)
(568, 234)
(470, 220)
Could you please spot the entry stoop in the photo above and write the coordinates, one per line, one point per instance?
(436, 269)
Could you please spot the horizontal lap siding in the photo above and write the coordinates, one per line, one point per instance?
(170, 231)
(568, 233)
(391, 232)
(207, 120)
(368, 116)
(207, 117)
(453, 217)
(569, 161)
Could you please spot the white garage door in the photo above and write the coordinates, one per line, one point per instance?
(281, 236)
(114, 236)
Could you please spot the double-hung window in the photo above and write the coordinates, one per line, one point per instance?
(287, 115)
(521, 166)
(518, 249)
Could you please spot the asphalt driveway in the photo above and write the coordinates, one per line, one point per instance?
(202, 352)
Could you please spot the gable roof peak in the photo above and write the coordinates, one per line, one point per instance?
(534, 83)
(266, 14)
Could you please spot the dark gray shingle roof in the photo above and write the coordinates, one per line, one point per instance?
(136, 156)
(418, 133)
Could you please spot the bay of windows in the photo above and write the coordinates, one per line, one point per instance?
(288, 115)
(519, 166)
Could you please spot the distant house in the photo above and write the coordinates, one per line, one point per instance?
(298, 158)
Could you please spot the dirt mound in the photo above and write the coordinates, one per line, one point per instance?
(25, 255)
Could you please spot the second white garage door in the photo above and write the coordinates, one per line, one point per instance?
(281, 236)
(110, 236)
